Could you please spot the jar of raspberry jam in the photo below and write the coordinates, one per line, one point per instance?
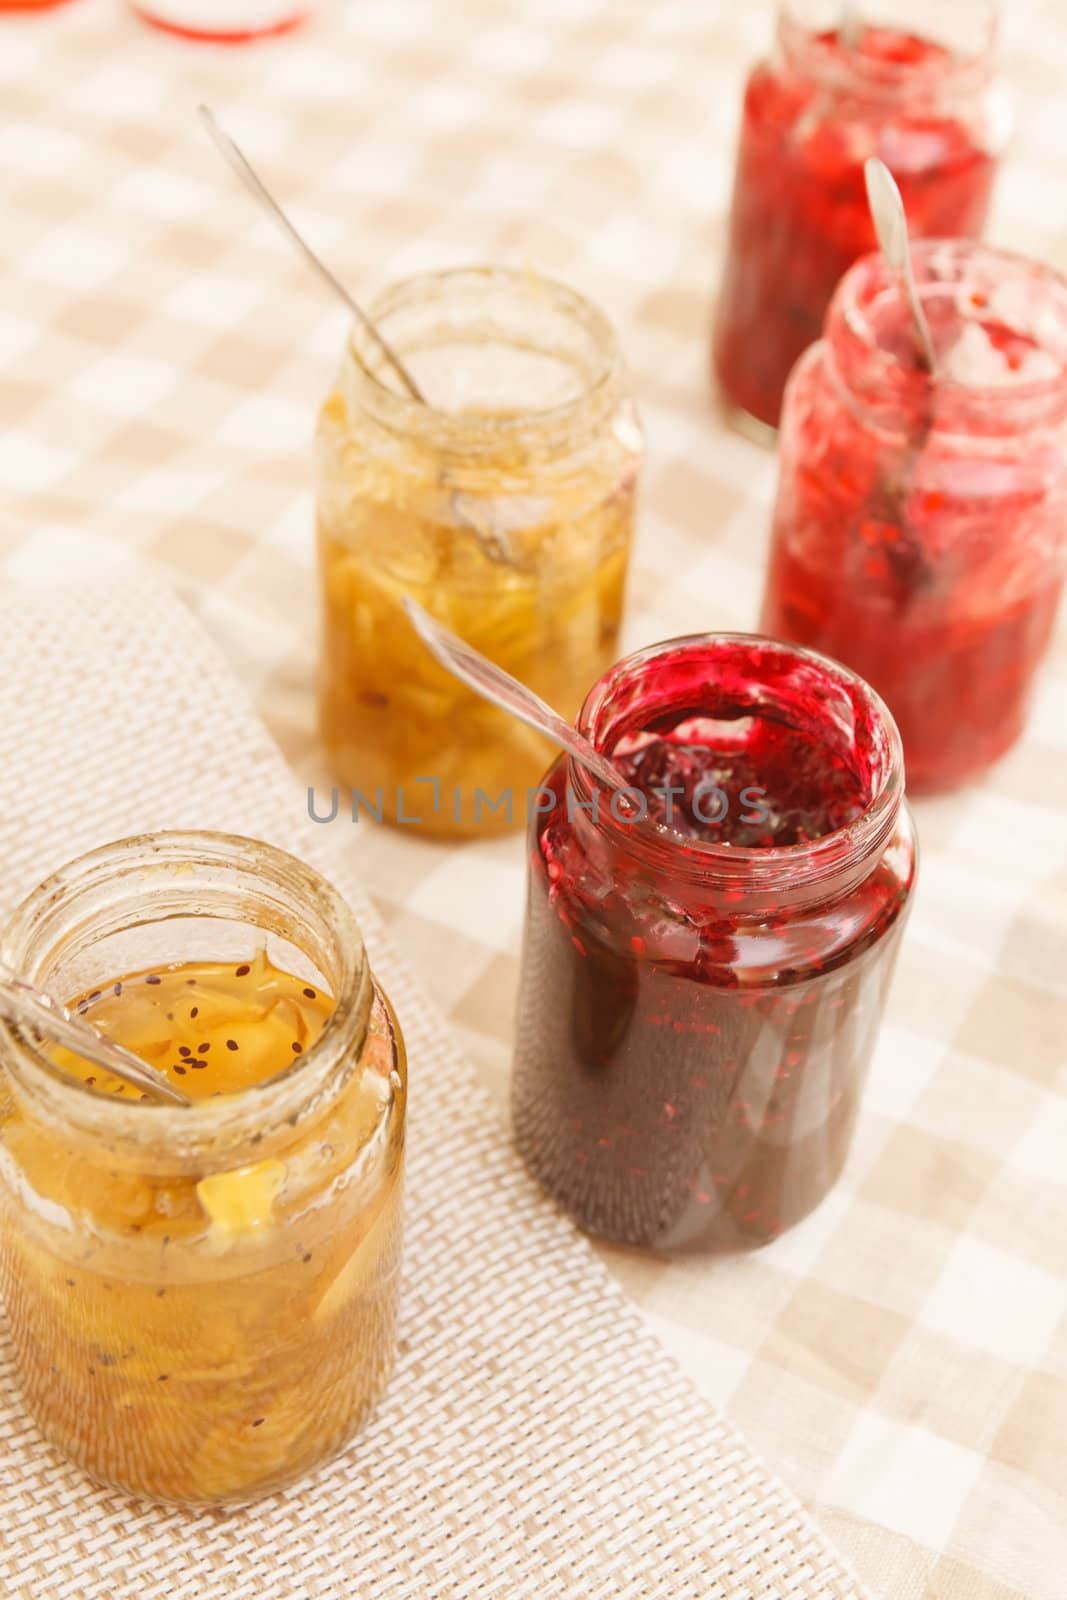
(919, 92)
(707, 953)
(920, 530)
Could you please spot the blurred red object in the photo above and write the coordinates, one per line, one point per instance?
(31, 5)
(221, 21)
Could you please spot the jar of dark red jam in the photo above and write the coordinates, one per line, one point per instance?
(707, 953)
(919, 92)
(920, 531)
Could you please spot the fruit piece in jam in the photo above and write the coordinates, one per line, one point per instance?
(800, 216)
(204, 1337)
(918, 530)
(690, 1049)
(534, 582)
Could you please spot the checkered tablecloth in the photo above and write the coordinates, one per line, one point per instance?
(901, 1357)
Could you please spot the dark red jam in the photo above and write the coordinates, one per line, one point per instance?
(706, 959)
(919, 531)
(706, 780)
(800, 218)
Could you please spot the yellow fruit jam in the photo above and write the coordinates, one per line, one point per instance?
(504, 506)
(548, 611)
(210, 1330)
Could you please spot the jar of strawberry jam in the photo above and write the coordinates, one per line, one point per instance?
(920, 531)
(707, 953)
(202, 1298)
(845, 83)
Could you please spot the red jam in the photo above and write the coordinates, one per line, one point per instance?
(812, 115)
(919, 531)
(706, 959)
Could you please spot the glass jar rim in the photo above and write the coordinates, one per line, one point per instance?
(804, 42)
(760, 868)
(472, 432)
(211, 1124)
(867, 367)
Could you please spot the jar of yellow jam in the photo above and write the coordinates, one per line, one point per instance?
(202, 1299)
(504, 506)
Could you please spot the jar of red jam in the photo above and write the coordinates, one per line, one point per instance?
(223, 21)
(920, 530)
(917, 91)
(707, 952)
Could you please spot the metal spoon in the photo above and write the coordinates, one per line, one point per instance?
(21, 1002)
(850, 30)
(891, 226)
(495, 545)
(240, 164)
(499, 687)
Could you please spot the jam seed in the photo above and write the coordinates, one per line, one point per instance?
(184, 1050)
(298, 1049)
(202, 1049)
(259, 1422)
(117, 989)
(243, 971)
(152, 978)
(310, 994)
(231, 1044)
(195, 1012)
(179, 1069)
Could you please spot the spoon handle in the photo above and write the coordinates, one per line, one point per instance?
(891, 226)
(20, 1002)
(499, 687)
(243, 168)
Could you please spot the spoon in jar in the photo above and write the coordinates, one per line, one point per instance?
(850, 30)
(499, 687)
(495, 545)
(906, 554)
(239, 164)
(891, 226)
(21, 1002)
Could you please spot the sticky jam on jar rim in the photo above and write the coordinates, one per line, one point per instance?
(202, 1300)
(696, 1016)
(919, 530)
(505, 509)
(812, 115)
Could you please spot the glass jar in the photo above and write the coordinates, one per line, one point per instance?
(701, 991)
(223, 21)
(920, 529)
(920, 94)
(504, 506)
(171, 1351)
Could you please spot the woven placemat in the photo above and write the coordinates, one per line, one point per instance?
(535, 1440)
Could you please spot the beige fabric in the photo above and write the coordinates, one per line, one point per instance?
(902, 1357)
(535, 1440)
